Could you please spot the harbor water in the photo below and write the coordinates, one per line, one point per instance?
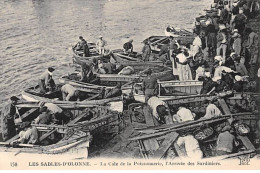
(36, 34)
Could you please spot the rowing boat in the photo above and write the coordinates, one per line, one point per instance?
(70, 145)
(170, 89)
(32, 94)
(135, 60)
(78, 57)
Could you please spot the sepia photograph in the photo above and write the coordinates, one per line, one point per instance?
(129, 84)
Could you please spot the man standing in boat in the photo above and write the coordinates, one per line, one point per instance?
(82, 45)
(46, 80)
(7, 119)
(100, 45)
(146, 50)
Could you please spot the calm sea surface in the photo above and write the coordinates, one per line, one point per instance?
(36, 34)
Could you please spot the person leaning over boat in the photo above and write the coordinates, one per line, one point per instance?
(82, 45)
(128, 47)
(192, 147)
(46, 80)
(69, 93)
(146, 51)
(226, 141)
(100, 45)
(7, 119)
(212, 110)
(28, 135)
(45, 117)
(183, 114)
(160, 110)
(59, 116)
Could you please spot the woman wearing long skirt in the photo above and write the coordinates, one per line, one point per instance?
(181, 67)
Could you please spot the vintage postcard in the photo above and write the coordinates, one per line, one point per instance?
(129, 84)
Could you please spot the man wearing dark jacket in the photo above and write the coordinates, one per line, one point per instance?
(7, 119)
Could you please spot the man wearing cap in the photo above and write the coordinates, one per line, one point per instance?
(211, 38)
(146, 50)
(82, 45)
(7, 119)
(240, 20)
(237, 43)
(128, 47)
(69, 92)
(101, 45)
(45, 80)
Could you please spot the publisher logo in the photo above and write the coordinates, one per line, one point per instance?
(244, 160)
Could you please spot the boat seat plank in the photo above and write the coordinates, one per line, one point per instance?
(28, 113)
(47, 134)
(13, 138)
(246, 142)
(78, 117)
(169, 139)
(224, 106)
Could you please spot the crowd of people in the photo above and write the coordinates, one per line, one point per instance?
(224, 55)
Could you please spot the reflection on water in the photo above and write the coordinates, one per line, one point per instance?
(36, 34)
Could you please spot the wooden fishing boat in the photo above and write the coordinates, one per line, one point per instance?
(104, 80)
(133, 60)
(69, 145)
(158, 41)
(53, 140)
(159, 142)
(137, 65)
(71, 139)
(170, 89)
(177, 32)
(79, 58)
(32, 94)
